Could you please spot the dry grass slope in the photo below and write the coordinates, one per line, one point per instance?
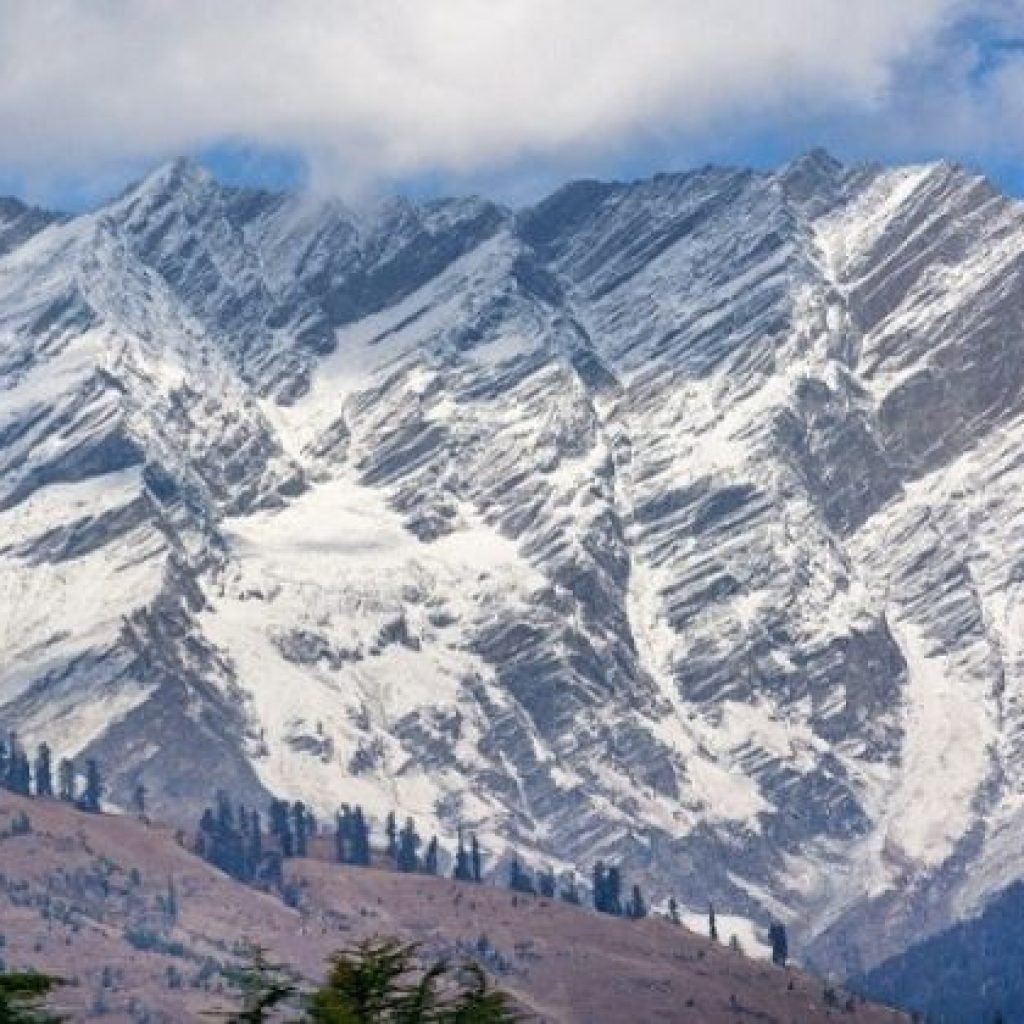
(88, 897)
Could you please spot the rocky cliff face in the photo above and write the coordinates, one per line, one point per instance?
(674, 522)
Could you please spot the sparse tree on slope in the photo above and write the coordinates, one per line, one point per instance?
(409, 843)
(66, 783)
(463, 869)
(430, 863)
(391, 831)
(475, 860)
(780, 944)
(93, 792)
(636, 908)
(44, 771)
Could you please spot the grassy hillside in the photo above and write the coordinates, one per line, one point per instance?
(142, 927)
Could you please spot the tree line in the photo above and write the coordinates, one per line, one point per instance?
(252, 848)
(36, 777)
(231, 836)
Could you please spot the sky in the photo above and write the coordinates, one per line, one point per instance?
(506, 98)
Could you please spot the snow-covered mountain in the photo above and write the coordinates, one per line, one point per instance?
(674, 522)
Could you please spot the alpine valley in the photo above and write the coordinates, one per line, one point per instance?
(676, 522)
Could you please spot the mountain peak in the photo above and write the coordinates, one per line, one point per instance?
(180, 175)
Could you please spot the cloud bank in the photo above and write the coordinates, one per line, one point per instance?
(388, 89)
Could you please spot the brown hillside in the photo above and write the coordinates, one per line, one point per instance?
(86, 897)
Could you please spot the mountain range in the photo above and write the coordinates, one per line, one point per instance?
(675, 523)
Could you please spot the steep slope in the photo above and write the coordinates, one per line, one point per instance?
(671, 522)
(967, 973)
(141, 927)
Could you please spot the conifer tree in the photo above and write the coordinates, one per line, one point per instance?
(225, 812)
(171, 901)
(380, 980)
(570, 892)
(44, 771)
(10, 770)
(264, 987)
(780, 944)
(93, 792)
(519, 879)
(360, 838)
(475, 864)
(22, 997)
(614, 891)
(300, 823)
(463, 869)
(19, 773)
(430, 865)
(712, 923)
(409, 842)
(352, 837)
(600, 888)
(280, 826)
(546, 882)
(342, 836)
(673, 910)
(66, 780)
(391, 831)
(636, 908)
(254, 850)
(139, 800)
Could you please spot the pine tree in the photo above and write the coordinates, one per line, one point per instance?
(519, 880)
(409, 842)
(10, 771)
(254, 849)
(22, 996)
(139, 800)
(171, 901)
(430, 865)
(780, 944)
(44, 771)
(360, 838)
(475, 861)
(67, 781)
(463, 869)
(600, 888)
(380, 980)
(280, 827)
(712, 923)
(636, 908)
(673, 910)
(265, 987)
(546, 882)
(19, 774)
(300, 824)
(391, 831)
(343, 836)
(225, 812)
(614, 891)
(93, 793)
(570, 892)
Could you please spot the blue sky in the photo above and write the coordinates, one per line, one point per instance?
(500, 97)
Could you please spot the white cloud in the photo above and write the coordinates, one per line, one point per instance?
(390, 88)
